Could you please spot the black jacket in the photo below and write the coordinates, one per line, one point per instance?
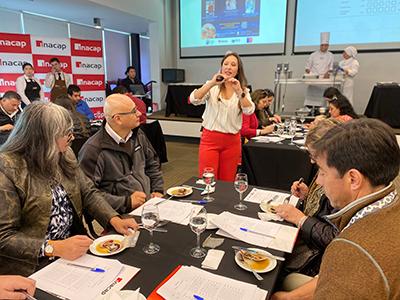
(121, 169)
(4, 120)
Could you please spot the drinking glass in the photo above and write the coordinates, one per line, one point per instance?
(150, 220)
(287, 124)
(198, 223)
(302, 120)
(292, 130)
(241, 184)
(208, 178)
(280, 131)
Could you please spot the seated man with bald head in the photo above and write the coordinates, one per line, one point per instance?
(119, 158)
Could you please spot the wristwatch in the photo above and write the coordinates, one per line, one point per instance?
(49, 250)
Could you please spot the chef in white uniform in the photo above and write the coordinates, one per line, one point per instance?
(319, 63)
(349, 66)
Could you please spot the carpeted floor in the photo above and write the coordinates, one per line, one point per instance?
(182, 163)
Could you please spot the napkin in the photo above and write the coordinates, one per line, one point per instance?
(201, 181)
(130, 241)
(205, 192)
(269, 216)
(124, 295)
(211, 242)
(213, 259)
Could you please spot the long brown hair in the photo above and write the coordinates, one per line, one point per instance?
(240, 73)
(256, 96)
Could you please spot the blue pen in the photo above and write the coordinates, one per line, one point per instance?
(96, 270)
(198, 297)
(256, 232)
(194, 201)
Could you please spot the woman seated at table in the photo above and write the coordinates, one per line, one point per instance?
(341, 109)
(43, 193)
(263, 111)
(315, 232)
(251, 124)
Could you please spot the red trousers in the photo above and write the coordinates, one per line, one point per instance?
(221, 151)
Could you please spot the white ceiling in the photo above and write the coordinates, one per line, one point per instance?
(81, 11)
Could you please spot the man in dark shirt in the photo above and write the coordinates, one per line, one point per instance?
(9, 111)
(130, 78)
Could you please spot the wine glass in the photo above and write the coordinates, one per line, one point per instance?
(150, 220)
(198, 223)
(241, 184)
(292, 130)
(287, 124)
(208, 178)
(280, 131)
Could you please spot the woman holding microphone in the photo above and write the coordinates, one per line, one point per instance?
(226, 97)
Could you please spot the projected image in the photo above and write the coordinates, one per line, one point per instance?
(212, 27)
(208, 31)
(250, 6)
(230, 18)
(210, 7)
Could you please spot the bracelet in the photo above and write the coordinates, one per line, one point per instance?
(301, 222)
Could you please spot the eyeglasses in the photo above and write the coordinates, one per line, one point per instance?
(133, 111)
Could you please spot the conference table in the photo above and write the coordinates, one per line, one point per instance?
(273, 165)
(177, 101)
(179, 240)
(384, 104)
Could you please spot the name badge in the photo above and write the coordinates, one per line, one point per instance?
(137, 148)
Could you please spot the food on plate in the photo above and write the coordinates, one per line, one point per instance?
(255, 260)
(109, 246)
(179, 191)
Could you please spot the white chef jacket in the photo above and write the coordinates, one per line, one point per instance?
(318, 63)
(351, 65)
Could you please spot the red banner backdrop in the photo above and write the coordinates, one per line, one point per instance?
(81, 58)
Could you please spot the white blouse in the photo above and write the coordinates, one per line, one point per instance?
(221, 114)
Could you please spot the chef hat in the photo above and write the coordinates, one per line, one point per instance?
(351, 51)
(325, 37)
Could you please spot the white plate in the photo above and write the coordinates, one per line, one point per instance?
(267, 207)
(270, 267)
(188, 191)
(101, 240)
(285, 136)
(209, 218)
(300, 142)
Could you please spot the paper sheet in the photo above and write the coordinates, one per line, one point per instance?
(76, 283)
(268, 139)
(170, 210)
(122, 279)
(284, 236)
(257, 195)
(190, 281)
